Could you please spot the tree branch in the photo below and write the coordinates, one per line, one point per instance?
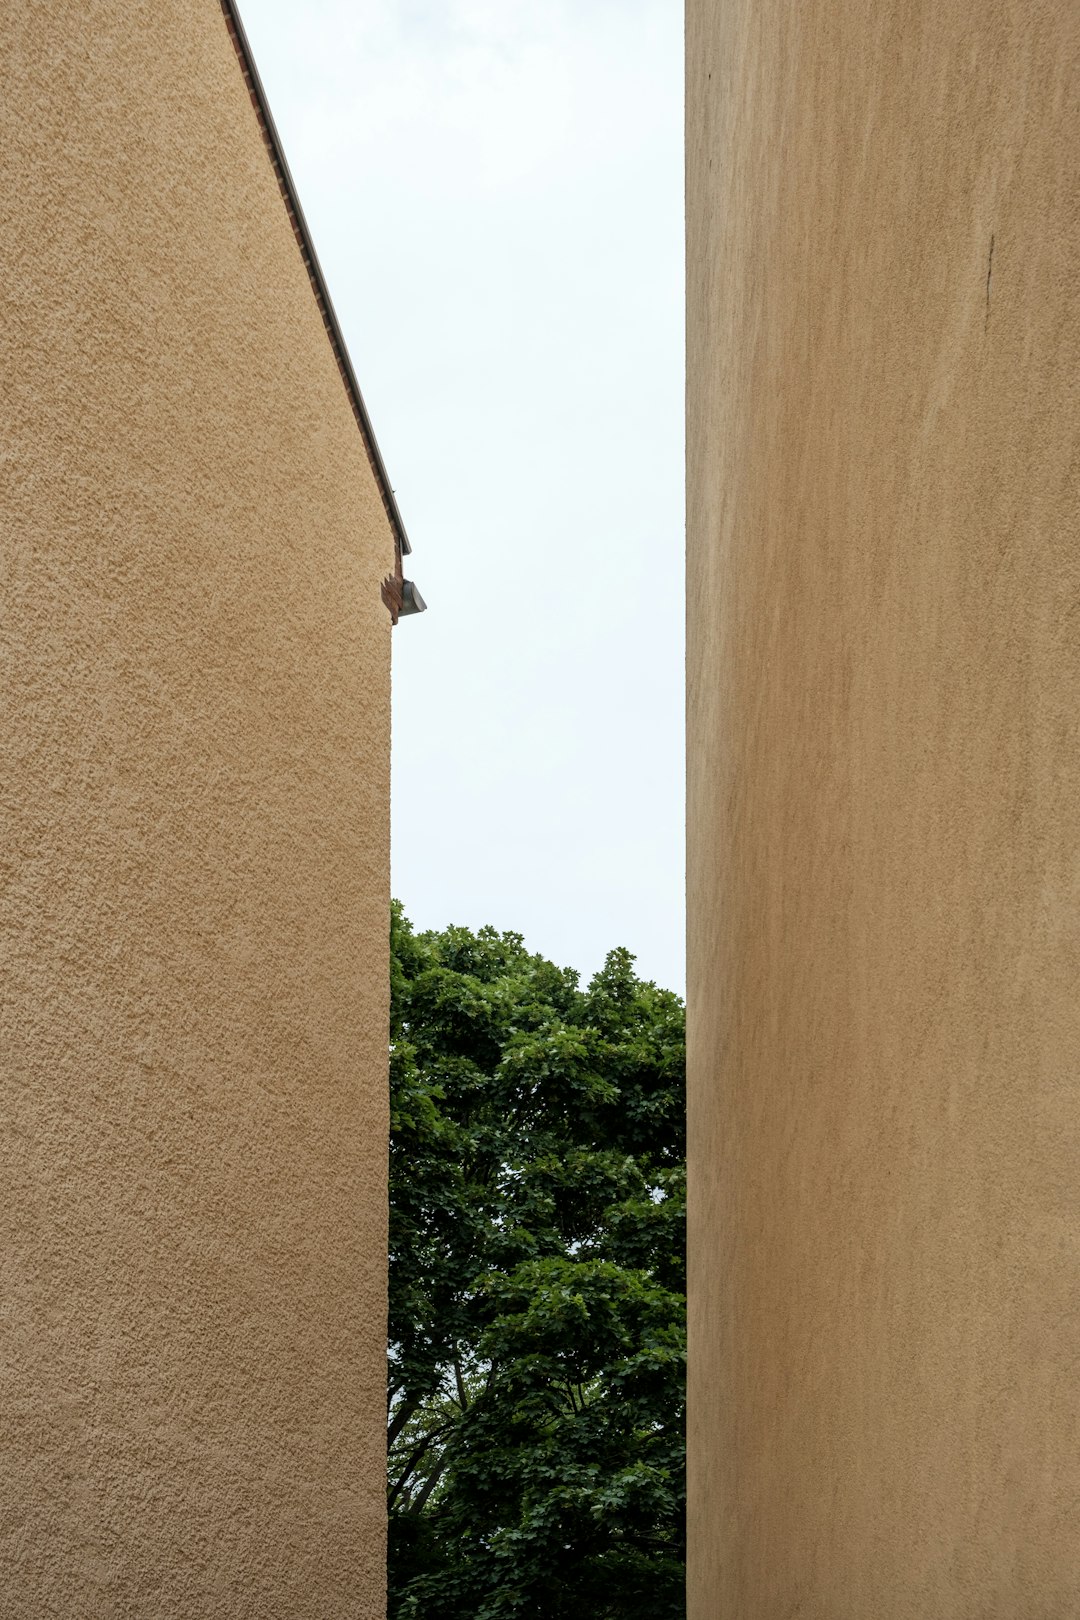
(463, 1399)
(414, 1458)
(400, 1418)
(417, 1505)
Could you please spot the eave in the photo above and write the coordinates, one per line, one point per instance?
(302, 233)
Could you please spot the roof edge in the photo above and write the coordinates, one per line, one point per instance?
(311, 263)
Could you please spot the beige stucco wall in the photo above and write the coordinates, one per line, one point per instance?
(194, 755)
(884, 882)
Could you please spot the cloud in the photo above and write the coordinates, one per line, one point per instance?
(473, 97)
(495, 194)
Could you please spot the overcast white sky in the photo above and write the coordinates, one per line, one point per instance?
(495, 192)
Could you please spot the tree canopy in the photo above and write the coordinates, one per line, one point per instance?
(537, 1282)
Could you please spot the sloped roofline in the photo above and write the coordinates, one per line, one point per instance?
(311, 263)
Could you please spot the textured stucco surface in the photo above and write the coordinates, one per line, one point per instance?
(884, 845)
(195, 856)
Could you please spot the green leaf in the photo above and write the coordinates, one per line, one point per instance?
(537, 1275)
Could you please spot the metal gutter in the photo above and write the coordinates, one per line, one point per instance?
(314, 269)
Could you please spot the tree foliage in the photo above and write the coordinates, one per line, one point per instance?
(537, 1279)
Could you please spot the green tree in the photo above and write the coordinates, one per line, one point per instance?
(537, 1281)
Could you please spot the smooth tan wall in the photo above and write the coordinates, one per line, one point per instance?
(195, 857)
(884, 880)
